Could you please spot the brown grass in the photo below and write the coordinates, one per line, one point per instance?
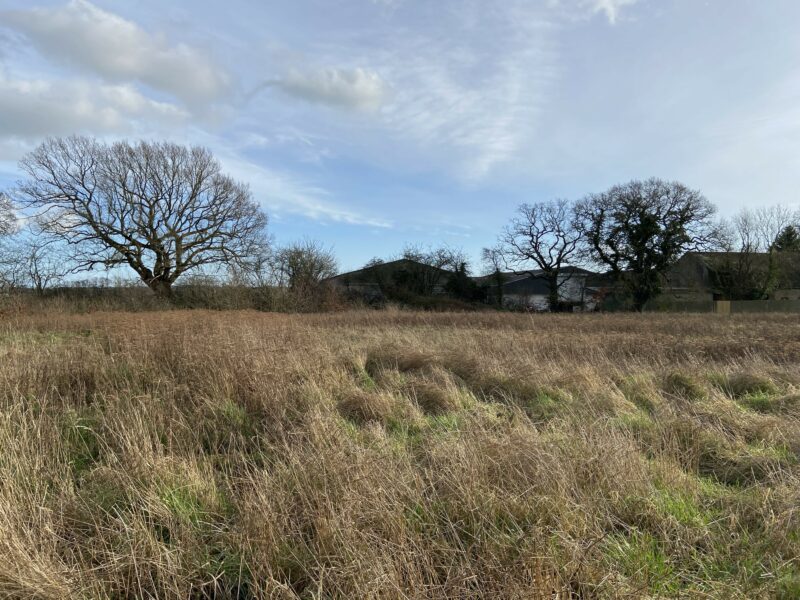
(399, 455)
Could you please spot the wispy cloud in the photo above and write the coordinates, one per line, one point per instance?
(469, 90)
(283, 194)
(580, 9)
(611, 8)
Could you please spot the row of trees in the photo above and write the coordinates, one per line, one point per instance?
(635, 232)
(166, 211)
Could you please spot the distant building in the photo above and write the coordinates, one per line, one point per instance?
(707, 276)
(380, 281)
(693, 282)
(531, 290)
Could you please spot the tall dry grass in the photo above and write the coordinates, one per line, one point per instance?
(399, 455)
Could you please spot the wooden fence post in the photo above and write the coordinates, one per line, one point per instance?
(722, 307)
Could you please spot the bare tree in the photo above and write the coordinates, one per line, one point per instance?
(770, 221)
(8, 218)
(440, 257)
(159, 208)
(639, 229)
(375, 261)
(10, 272)
(542, 238)
(434, 263)
(750, 235)
(737, 274)
(43, 261)
(494, 264)
(304, 265)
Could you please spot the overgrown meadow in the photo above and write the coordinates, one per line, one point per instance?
(199, 454)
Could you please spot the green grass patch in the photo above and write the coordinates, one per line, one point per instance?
(545, 404)
(185, 504)
(638, 422)
(642, 558)
(403, 430)
(681, 506)
(228, 572)
(758, 402)
(742, 385)
(81, 440)
(226, 426)
(445, 423)
(363, 378)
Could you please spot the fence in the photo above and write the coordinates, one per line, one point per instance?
(727, 307)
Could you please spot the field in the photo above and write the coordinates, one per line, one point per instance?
(193, 454)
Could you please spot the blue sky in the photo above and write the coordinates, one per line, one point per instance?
(367, 124)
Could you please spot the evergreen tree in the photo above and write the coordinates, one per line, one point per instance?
(788, 240)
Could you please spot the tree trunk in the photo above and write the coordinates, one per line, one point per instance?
(641, 294)
(498, 280)
(162, 288)
(552, 281)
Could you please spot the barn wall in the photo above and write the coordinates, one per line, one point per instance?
(526, 301)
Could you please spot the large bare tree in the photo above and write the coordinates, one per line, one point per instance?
(158, 207)
(542, 239)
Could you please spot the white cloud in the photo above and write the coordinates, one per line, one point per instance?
(358, 89)
(81, 34)
(32, 108)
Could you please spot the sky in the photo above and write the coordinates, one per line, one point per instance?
(370, 124)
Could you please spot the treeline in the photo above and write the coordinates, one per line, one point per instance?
(635, 232)
(171, 216)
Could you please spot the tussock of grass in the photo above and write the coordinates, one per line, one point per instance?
(641, 391)
(400, 359)
(434, 399)
(364, 407)
(685, 386)
(741, 385)
(399, 455)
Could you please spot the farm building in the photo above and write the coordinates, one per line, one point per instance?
(693, 282)
(531, 291)
(707, 276)
(376, 282)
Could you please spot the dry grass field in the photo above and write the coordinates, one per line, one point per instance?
(192, 454)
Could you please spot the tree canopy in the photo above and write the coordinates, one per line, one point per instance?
(639, 229)
(788, 240)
